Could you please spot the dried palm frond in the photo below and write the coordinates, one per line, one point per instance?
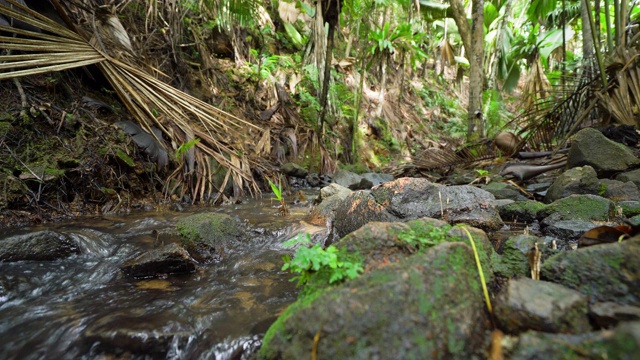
(623, 97)
(549, 120)
(445, 159)
(152, 102)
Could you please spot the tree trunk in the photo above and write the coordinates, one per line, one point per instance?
(460, 17)
(476, 79)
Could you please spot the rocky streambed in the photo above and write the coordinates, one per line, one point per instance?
(209, 284)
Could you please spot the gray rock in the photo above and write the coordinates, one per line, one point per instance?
(208, 236)
(330, 198)
(633, 175)
(578, 207)
(619, 191)
(528, 304)
(608, 314)
(39, 246)
(568, 230)
(357, 209)
(412, 198)
(578, 180)
(168, 260)
(377, 178)
(295, 170)
(590, 147)
(424, 307)
(504, 191)
(621, 343)
(607, 272)
(351, 180)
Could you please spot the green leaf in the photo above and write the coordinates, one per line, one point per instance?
(124, 157)
(182, 149)
(294, 35)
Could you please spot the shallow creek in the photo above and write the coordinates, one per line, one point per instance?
(83, 307)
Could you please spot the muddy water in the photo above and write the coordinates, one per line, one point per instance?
(83, 308)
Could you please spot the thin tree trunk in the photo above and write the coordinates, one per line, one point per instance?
(476, 81)
(607, 17)
(617, 20)
(324, 103)
(495, 57)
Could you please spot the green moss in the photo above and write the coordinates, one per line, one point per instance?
(581, 207)
(277, 328)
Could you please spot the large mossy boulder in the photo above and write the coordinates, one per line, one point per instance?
(607, 272)
(38, 246)
(578, 207)
(590, 147)
(578, 180)
(427, 306)
(407, 199)
(381, 243)
(208, 236)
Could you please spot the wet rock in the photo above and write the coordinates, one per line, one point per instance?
(357, 209)
(38, 246)
(590, 147)
(171, 259)
(330, 198)
(623, 342)
(569, 231)
(424, 307)
(377, 178)
(633, 176)
(412, 198)
(313, 179)
(578, 180)
(539, 305)
(521, 211)
(351, 180)
(578, 207)
(608, 314)
(607, 272)
(122, 334)
(208, 236)
(294, 170)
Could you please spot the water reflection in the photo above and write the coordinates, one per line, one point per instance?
(82, 306)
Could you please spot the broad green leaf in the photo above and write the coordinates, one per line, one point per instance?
(124, 157)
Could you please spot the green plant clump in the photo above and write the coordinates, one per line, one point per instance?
(318, 265)
(425, 236)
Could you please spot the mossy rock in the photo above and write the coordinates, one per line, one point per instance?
(427, 306)
(606, 272)
(579, 207)
(522, 211)
(208, 236)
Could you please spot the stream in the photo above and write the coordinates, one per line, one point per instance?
(82, 307)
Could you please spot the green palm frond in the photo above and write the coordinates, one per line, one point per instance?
(152, 102)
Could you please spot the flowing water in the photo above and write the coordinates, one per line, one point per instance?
(82, 307)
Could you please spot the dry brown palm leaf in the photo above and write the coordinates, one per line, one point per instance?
(623, 97)
(445, 159)
(152, 102)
